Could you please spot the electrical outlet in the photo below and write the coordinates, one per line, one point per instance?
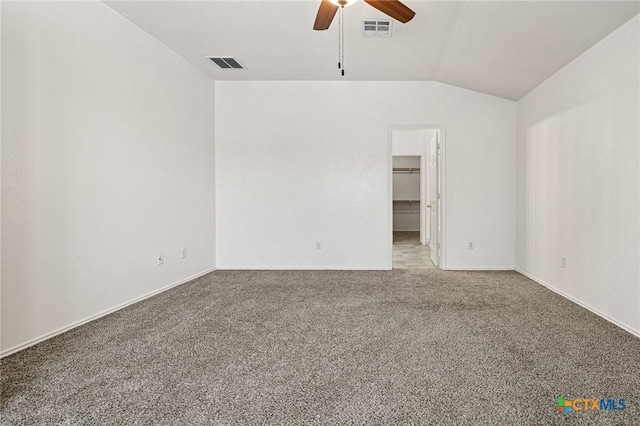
(160, 259)
(471, 245)
(318, 245)
(183, 252)
(563, 262)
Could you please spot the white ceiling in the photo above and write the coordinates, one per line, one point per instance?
(503, 48)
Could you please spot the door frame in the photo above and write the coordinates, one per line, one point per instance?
(440, 230)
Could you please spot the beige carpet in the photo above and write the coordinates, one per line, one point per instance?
(329, 347)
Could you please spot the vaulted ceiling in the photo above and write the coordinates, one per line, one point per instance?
(502, 48)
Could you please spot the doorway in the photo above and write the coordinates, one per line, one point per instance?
(410, 226)
(416, 197)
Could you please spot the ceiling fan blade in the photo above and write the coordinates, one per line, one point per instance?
(393, 8)
(325, 15)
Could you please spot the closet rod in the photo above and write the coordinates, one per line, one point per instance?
(406, 169)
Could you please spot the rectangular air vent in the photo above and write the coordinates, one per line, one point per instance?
(226, 63)
(376, 28)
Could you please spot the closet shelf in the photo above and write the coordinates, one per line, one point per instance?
(409, 203)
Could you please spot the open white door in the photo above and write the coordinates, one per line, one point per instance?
(433, 201)
(425, 220)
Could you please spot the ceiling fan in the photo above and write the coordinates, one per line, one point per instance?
(394, 8)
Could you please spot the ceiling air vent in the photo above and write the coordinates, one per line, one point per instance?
(227, 63)
(376, 28)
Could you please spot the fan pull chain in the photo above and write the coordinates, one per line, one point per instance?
(339, 43)
(342, 28)
(341, 40)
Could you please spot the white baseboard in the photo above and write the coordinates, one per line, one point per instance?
(299, 268)
(47, 336)
(581, 303)
(482, 268)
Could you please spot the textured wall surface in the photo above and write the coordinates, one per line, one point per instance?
(107, 160)
(301, 162)
(578, 179)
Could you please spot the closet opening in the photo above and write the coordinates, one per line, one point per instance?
(407, 202)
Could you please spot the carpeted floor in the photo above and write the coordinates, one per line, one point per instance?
(330, 347)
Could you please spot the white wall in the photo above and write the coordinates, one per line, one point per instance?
(578, 183)
(300, 162)
(1, 177)
(107, 159)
